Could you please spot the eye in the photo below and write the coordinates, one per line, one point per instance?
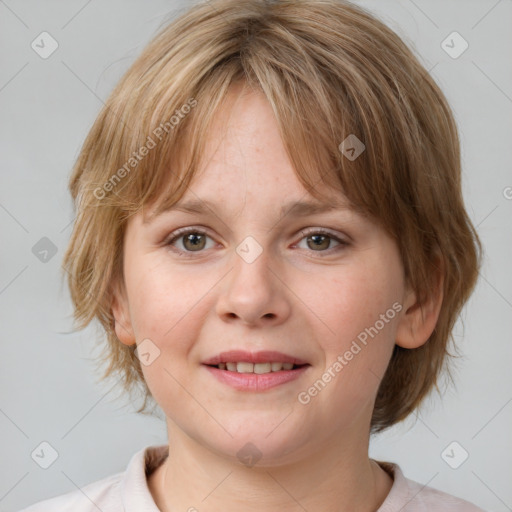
(191, 239)
(194, 240)
(319, 239)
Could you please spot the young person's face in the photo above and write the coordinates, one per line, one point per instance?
(261, 280)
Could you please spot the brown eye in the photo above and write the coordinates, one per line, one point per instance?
(194, 241)
(319, 242)
(188, 240)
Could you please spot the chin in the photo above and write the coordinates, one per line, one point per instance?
(259, 448)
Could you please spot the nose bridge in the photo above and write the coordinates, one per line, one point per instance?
(251, 272)
(252, 292)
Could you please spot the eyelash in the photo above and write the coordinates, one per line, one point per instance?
(180, 233)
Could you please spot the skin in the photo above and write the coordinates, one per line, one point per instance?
(297, 298)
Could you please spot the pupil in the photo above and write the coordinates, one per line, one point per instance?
(194, 239)
(316, 238)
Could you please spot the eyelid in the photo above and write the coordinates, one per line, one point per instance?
(325, 231)
(342, 240)
(180, 232)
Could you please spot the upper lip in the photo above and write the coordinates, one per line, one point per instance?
(263, 356)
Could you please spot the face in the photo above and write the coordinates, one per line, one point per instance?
(322, 290)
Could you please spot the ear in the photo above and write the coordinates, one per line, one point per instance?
(121, 312)
(420, 318)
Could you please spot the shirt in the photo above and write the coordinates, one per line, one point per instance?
(128, 491)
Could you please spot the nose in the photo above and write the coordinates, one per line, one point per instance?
(254, 293)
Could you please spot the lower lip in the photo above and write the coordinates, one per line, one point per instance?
(254, 381)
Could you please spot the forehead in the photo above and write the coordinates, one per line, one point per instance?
(245, 163)
(244, 138)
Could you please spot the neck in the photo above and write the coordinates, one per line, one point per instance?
(341, 480)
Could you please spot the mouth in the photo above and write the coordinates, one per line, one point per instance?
(258, 368)
(255, 371)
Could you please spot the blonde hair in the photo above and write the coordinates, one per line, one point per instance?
(328, 69)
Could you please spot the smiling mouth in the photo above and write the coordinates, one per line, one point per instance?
(258, 368)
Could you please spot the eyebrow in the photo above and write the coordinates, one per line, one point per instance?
(294, 208)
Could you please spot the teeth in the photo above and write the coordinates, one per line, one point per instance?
(258, 368)
(262, 368)
(244, 367)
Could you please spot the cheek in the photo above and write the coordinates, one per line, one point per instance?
(165, 303)
(357, 299)
(168, 308)
(361, 307)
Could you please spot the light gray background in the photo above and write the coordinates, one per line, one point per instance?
(48, 389)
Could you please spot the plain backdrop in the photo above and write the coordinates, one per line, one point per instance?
(48, 391)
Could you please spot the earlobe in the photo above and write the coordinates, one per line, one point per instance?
(420, 318)
(122, 321)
